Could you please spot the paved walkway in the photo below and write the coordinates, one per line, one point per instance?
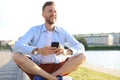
(8, 69)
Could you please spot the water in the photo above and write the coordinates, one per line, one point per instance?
(107, 59)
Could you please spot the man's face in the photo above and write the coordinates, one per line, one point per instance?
(50, 14)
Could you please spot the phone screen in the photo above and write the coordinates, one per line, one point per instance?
(55, 44)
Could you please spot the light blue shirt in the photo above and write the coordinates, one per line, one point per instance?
(36, 37)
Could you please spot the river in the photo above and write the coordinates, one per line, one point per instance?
(107, 59)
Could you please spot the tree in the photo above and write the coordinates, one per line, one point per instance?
(82, 40)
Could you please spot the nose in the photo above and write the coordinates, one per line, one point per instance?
(54, 12)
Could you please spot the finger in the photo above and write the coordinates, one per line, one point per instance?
(53, 48)
(59, 52)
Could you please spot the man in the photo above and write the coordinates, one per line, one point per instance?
(45, 60)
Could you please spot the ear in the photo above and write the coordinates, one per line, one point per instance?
(43, 14)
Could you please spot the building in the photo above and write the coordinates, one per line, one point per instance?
(6, 43)
(116, 37)
(99, 40)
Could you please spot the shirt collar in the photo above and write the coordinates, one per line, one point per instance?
(45, 29)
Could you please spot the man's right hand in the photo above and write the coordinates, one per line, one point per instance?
(47, 50)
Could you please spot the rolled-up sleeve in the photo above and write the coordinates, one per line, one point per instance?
(22, 45)
(78, 49)
(74, 45)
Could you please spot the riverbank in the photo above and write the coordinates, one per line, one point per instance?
(103, 48)
(102, 69)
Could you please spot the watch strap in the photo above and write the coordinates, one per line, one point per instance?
(35, 51)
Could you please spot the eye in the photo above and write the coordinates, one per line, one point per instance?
(55, 11)
(50, 10)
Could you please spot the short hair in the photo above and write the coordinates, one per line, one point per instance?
(47, 4)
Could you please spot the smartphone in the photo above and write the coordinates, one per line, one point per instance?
(55, 44)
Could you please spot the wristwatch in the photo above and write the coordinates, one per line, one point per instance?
(35, 51)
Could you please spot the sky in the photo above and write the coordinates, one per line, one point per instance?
(76, 16)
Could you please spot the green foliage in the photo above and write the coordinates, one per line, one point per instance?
(4, 47)
(103, 48)
(82, 40)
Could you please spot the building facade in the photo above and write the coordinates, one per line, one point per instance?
(102, 39)
(99, 40)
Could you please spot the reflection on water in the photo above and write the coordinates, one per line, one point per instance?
(108, 59)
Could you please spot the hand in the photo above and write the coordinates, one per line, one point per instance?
(47, 50)
(60, 50)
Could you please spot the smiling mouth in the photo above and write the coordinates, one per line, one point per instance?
(53, 18)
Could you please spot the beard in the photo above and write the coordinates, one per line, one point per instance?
(50, 20)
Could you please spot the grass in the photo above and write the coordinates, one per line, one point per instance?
(87, 74)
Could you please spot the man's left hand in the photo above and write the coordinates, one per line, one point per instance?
(60, 50)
